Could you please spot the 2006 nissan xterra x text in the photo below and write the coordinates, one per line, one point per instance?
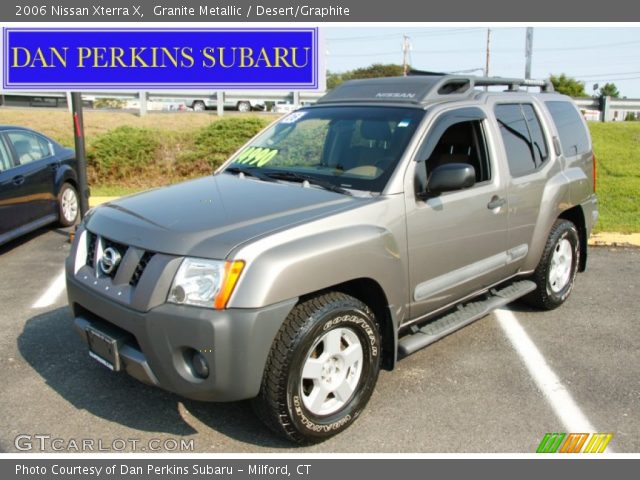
(348, 234)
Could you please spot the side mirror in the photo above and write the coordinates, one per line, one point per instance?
(449, 177)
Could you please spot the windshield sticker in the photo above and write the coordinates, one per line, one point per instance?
(257, 156)
(404, 123)
(294, 117)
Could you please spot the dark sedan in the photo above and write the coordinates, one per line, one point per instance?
(38, 182)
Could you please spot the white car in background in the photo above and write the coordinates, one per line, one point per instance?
(284, 107)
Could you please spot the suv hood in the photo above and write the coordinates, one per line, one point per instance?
(210, 216)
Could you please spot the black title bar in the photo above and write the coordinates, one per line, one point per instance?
(317, 11)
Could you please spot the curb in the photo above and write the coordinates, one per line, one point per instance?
(602, 239)
(614, 239)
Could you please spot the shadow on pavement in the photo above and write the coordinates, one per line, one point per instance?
(50, 345)
(27, 237)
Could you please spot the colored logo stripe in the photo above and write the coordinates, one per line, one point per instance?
(573, 442)
(550, 442)
(598, 442)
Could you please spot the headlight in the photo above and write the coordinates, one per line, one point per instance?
(204, 283)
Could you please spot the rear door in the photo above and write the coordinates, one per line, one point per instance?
(9, 213)
(526, 147)
(34, 176)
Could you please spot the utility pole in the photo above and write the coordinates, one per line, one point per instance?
(406, 47)
(528, 52)
(81, 157)
(488, 54)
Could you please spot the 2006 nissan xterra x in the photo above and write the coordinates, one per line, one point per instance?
(347, 235)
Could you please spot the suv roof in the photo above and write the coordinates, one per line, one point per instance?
(423, 89)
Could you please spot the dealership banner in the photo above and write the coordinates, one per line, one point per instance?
(161, 58)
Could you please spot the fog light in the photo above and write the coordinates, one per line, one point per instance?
(200, 365)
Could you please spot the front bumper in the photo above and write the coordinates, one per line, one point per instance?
(157, 342)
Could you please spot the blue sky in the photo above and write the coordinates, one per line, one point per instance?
(590, 54)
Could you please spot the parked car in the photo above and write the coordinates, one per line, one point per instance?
(282, 106)
(38, 182)
(347, 235)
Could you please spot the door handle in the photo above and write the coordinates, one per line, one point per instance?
(496, 202)
(18, 180)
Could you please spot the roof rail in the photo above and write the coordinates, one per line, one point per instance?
(513, 84)
(422, 88)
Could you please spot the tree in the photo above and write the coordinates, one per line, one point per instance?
(609, 90)
(373, 71)
(378, 70)
(568, 85)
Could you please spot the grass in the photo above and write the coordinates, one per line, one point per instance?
(190, 144)
(113, 190)
(58, 123)
(617, 149)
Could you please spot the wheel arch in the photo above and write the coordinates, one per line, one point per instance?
(65, 174)
(371, 293)
(576, 216)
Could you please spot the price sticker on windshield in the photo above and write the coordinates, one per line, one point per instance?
(294, 117)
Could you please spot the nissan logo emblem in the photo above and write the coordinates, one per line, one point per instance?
(109, 260)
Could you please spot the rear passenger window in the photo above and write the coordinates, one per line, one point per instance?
(5, 158)
(523, 138)
(29, 147)
(573, 136)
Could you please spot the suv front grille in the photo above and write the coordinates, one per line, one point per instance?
(97, 244)
(91, 248)
(142, 264)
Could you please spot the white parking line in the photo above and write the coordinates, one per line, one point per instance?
(547, 381)
(52, 293)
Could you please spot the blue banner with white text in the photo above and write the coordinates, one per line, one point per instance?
(210, 58)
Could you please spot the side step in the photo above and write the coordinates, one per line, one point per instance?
(464, 315)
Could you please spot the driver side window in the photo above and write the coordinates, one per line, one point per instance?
(462, 143)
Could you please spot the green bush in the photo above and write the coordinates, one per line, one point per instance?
(122, 153)
(214, 143)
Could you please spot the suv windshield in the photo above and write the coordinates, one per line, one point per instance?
(348, 147)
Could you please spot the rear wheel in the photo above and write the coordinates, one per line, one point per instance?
(322, 368)
(558, 266)
(68, 205)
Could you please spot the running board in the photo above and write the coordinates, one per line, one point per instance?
(463, 316)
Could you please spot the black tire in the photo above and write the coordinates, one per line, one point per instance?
(199, 106)
(244, 107)
(550, 293)
(68, 214)
(281, 401)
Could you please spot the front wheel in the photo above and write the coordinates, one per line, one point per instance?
(322, 368)
(199, 106)
(244, 107)
(556, 272)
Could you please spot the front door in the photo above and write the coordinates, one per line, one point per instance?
(457, 240)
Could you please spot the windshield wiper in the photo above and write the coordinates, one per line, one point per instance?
(298, 177)
(249, 172)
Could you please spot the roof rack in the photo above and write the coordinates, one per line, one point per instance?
(424, 87)
(513, 84)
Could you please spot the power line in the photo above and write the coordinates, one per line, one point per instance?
(417, 33)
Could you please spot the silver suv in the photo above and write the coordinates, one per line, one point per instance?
(345, 236)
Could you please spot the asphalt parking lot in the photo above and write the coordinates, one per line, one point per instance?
(471, 392)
